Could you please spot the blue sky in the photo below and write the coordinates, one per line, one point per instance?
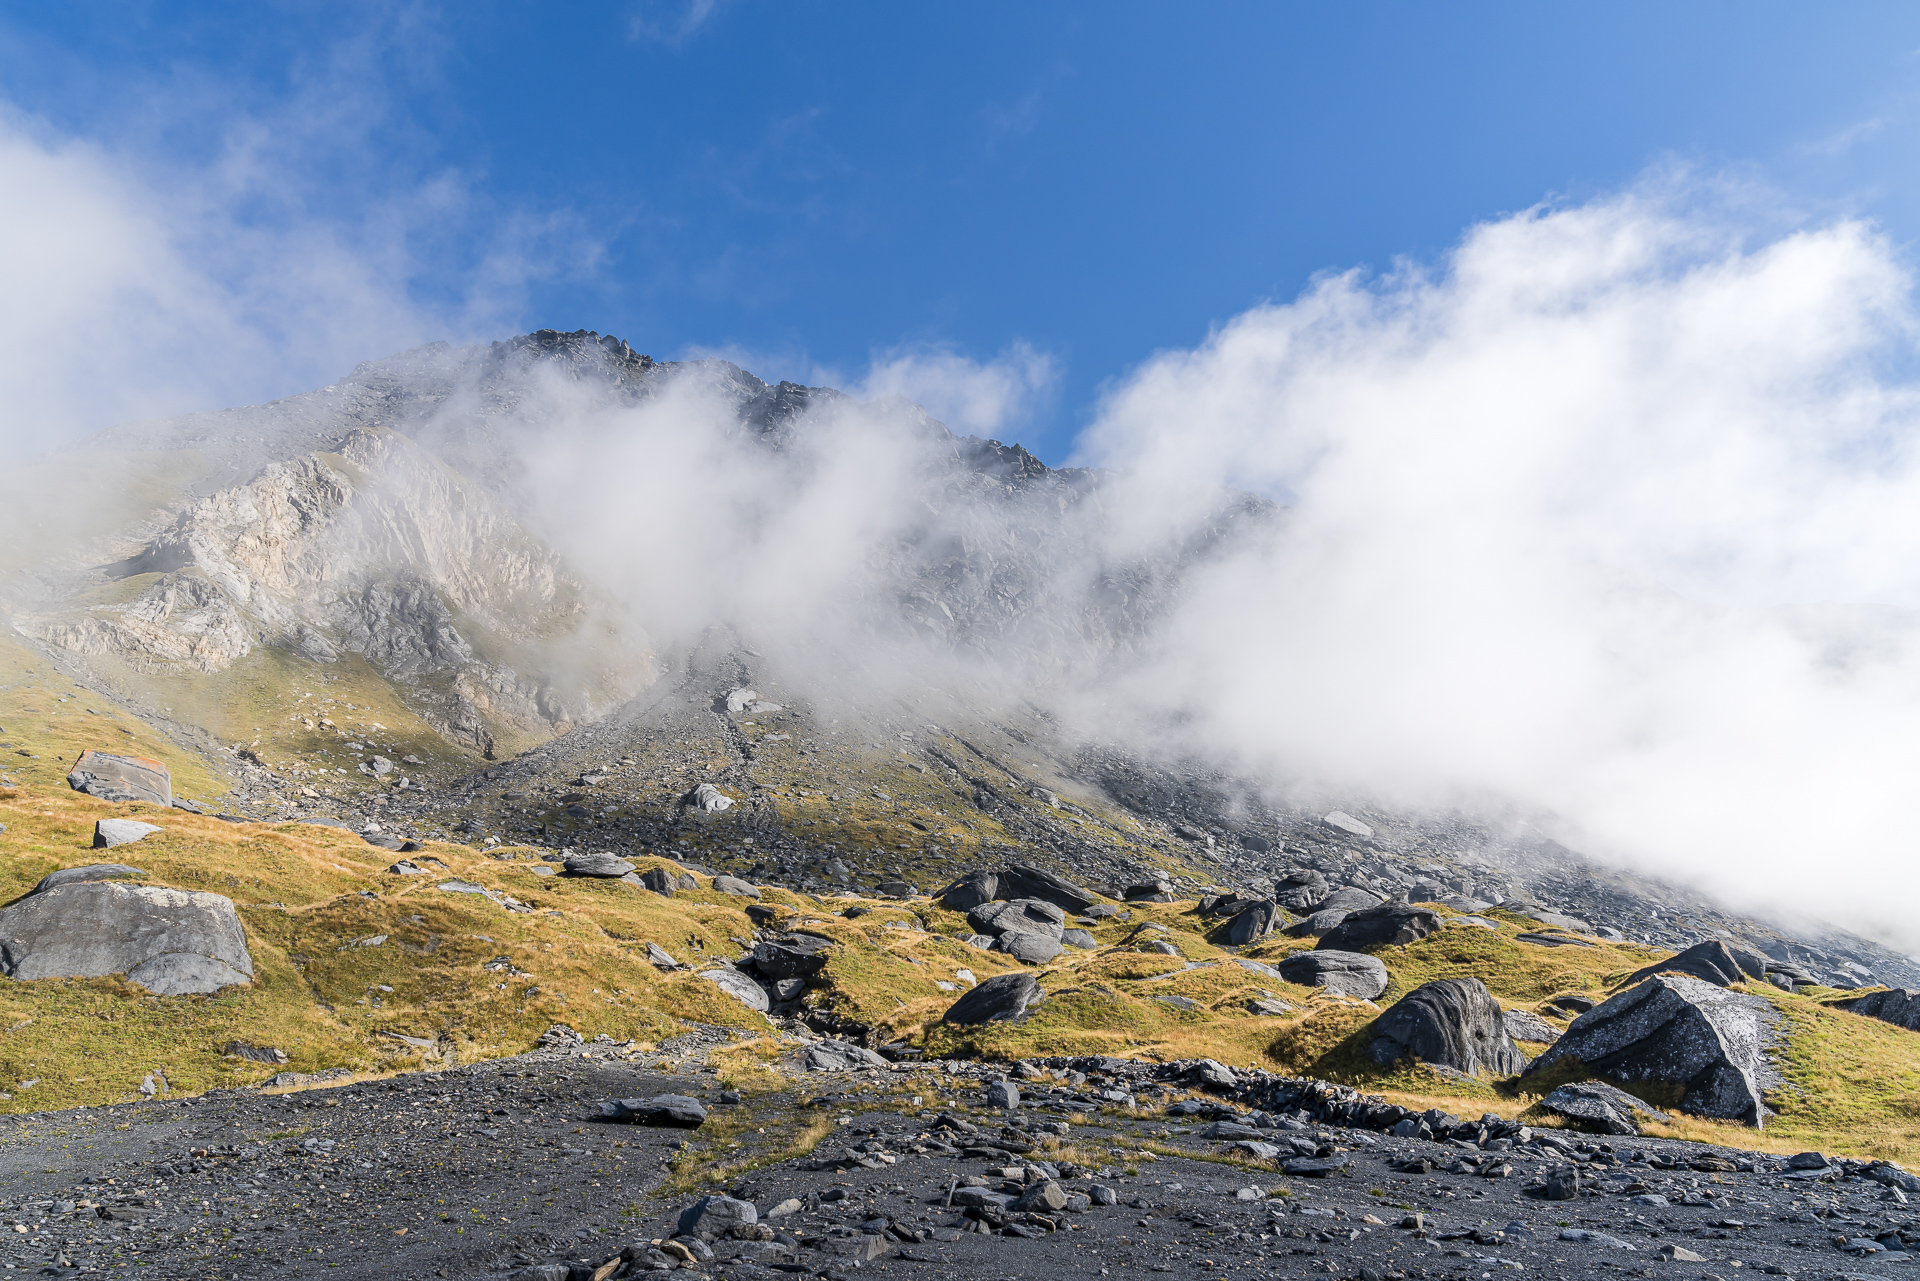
(813, 186)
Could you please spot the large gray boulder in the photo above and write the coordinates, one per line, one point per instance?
(1452, 1023)
(171, 942)
(1253, 922)
(1344, 973)
(1020, 916)
(795, 957)
(605, 865)
(121, 778)
(740, 987)
(1030, 948)
(1022, 881)
(970, 891)
(1897, 1005)
(1712, 961)
(109, 832)
(1525, 1025)
(1316, 924)
(1301, 890)
(1607, 1107)
(1684, 1031)
(1002, 998)
(1379, 926)
(1348, 898)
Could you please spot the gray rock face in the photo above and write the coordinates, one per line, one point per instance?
(1348, 898)
(1079, 938)
(1301, 890)
(1899, 1006)
(173, 942)
(109, 832)
(1317, 924)
(1002, 998)
(1712, 961)
(715, 1216)
(121, 778)
(1003, 1094)
(740, 988)
(1380, 926)
(796, 956)
(1020, 916)
(1453, 1023)
(1684, 1031)
(1347, 973)
(709, 799)
(973, 890)
(1341, 821)
(90, 872)
(604, 865)
(1252, 924)
(1023, 882)
(1029, 948)
(841, 1056)
(675, 1111)
(1602, 1105)
(1524, 1025)
(735, 886)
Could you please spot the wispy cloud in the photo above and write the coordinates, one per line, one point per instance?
(671, 22)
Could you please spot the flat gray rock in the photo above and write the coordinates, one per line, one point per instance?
(122, 778)
(841, 1056)
(1450, 1023)
(1079, 938)
(1607, 1107)
(1683, 1031)
(109, 832)
(708, 799)
(1317, 924)
(1347, 973)
(740, 988)
(603, 865)
(676, 1111)
(171, 941)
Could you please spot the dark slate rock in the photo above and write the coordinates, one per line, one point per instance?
(1317, 924)
(1022, 881)
(794, 957)
(122, 778)
(1029, 947)
(971, 891)
(1025, 916)
(1079, 938)
(1451, 1023)
(715, 1216)
(1347, 973)
(1599, 1104)
(1712, 961)
(1899, 1006)
(1679, 1030)
(1002, 998)
(660, 881)
(675, 1111)
(1348, 898)
(1253, 923)
(1301, 890)
(1380, 926)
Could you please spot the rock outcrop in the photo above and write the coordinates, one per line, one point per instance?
(1450, 1023)
(1679, 1030)
(1002, 998)
(1345, 973)
(1712, 961)
(171, 942)
(1899, 1006)
(121, 778)
(1607, 1107)
(1380, 926)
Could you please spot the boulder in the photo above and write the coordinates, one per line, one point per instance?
(660, 881)
(121, 778)
(1022, 916)
(604, 865)
(716, 1216)
(896, 889)
(1451, 1023)
(708, 799)
(735, 886)
(841, 1056)
(1380, 926)
(109, 832)
(1301, 890)
(1344, 973)
(971, 891)
(1253, 923)
(1341, 821)
(1079, 938)
(1003, 1094)
(172, 942)
(739, 987)
(1712, 961)
(1023, 882)
(1525, 1025)
(1679, 1030)
(89, 872)
(1029, 948)
(1896, 1005)
(796, 956)
(1002, 998)
(1599, 1104)
(1348, 898)
(1317, 924)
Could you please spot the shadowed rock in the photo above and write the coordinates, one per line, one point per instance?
(796, 956)
(1002, 998)
(1451, 1023)
(1021, 881)
(1348, 898)
(1380, 926)
(972, 890)
(1683, 1031)
(1301, 890)
(1347, 973)
(1317, 924)
(1602, 1105)
(172, 942)
(1899, 1006)
(1712, 961)
(676, 1111)
(1252, 923)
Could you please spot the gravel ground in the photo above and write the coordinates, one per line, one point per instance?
(501, 1169)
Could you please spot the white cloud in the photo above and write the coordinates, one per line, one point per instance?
(980, 398)
(671, 23)
(1581, 519)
